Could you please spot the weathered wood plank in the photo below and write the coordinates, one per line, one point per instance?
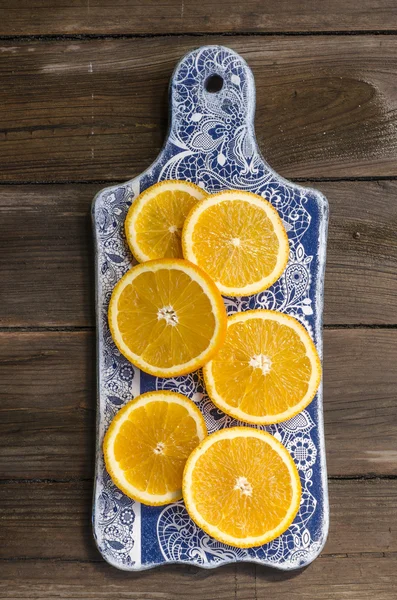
(46, 258)
(132, 17)
(48, 403)
(52, 520)
(42, 17)
(361, 282)
(326, 106)
(360, 409)
(47, 383)
(328, 578)
(95, 581)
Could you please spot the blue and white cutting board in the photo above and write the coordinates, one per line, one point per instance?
(211, 142)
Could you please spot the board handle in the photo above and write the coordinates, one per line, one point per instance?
(212, 104)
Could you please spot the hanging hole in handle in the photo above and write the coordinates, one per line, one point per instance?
(213, 84)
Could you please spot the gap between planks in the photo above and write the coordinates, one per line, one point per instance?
(83, 328)
(226, 34)
(112, 182)
(366, 477)
(322, 556)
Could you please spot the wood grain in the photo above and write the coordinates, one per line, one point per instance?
(47, 266)
(52, 520)
(360, 281)
(47, 383)
(96, 110)
(328, 578)
(360, 393)
(48, 403)
(42, 17)
(47, 580)
(46, 256)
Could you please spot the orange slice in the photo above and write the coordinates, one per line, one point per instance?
(154, 222)
(167, 317)
(242, 487)
(238, 239)
(268, 369)
(148, 442)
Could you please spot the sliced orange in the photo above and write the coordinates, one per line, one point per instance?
(241, 486)
(167, 317)
(154, 222)
(268, 369)
(148, 442)
(238, 238)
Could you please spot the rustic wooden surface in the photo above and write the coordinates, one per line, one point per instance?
(49, 225)
(83, 103)
(47, 383)
(95, 109)
(101, 17)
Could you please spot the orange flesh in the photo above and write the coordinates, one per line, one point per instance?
(253, 258)
(153, 444)
(159, 225)
(138, 317)
(247, 387)
(242, 486)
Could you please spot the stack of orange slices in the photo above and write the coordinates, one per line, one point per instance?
(167, 317)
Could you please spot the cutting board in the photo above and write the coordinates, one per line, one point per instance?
(211, 142)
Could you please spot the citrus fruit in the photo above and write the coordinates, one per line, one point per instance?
(167, 317)
(267, 370)
(154, 222)
(148, 442)
(238, 239)
(241, 486)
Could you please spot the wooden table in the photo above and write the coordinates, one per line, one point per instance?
(83, 105)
